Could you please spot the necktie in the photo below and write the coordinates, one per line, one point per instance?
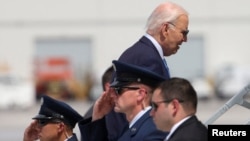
(166, 65)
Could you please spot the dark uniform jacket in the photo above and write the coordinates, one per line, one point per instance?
(144, 129)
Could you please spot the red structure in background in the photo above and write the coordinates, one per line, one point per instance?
(54, 69)
(51, 77)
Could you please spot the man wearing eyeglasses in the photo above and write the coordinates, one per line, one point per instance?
(54, 122)
(166, 30)
(131, 93)
(174, 104)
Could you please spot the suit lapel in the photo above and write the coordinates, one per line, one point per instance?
(185, 123)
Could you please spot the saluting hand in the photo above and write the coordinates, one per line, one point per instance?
(103, 105)
(31, 132)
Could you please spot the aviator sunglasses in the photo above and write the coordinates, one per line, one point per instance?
(120, 90)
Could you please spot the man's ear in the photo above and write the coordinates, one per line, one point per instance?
(142, 94)
(61, 127)
(176, 105)
(164, 30)
(166, 26)
(106, 85)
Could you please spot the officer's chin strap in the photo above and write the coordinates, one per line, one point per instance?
(65, 132)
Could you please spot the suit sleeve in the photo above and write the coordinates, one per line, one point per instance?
(93, 131)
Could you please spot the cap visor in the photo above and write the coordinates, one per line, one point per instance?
(41, 117)
(119, 84)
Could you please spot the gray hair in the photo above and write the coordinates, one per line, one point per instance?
(165, 12)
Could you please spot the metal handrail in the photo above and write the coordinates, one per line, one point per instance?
(236, 99)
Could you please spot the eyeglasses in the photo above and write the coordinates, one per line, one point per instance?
(155, 105)
(183, 32)
(119, 90)
(43, 122)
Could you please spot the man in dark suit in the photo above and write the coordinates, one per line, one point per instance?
(131, 95)
(166, 30)
(174, 104)
(55, 121)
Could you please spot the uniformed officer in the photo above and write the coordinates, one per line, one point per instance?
(54, 122)
(130, 94)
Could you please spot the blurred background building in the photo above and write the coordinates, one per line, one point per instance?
(61, 47)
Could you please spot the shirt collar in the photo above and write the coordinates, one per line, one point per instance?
(156, 44)
(68, 138)
(138, 116)
(172, 130)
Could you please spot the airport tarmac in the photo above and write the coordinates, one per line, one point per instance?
(14, 121)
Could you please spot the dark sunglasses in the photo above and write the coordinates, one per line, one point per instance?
(183, 32)
(43, 122)
(119, 90)
(155, 105)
